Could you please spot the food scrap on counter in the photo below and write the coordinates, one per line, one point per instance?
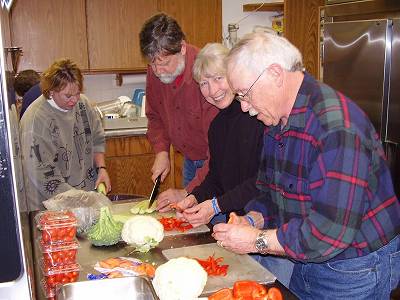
(213, 266)
(172, 223)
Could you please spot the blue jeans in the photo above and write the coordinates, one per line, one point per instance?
(370, 277)
(281, 267)
(189, 169)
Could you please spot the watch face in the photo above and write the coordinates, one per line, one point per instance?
(260, 244)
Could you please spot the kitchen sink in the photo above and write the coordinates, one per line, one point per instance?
(132, 288)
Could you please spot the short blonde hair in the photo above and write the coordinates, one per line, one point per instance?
(210, 61)
(58, 75)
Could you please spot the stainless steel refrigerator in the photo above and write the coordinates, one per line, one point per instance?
(361, 58)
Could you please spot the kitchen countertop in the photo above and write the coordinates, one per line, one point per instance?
(125, 132)
(88, 255)
(125, 126)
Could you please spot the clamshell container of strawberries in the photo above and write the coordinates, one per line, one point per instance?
(58, 254)
(56, 226)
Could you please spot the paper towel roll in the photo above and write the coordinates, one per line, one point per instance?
(134, 79)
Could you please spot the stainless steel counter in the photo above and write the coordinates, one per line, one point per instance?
(125, 126)
(88, 255)
(125, 132)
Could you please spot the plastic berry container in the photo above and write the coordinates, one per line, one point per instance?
(59, 275)
(58, 254)
(49, 292)
(56, 226)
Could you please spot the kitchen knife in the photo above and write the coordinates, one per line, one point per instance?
(154, 192)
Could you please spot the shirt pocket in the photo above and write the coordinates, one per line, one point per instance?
(290, 193)
(193, 118)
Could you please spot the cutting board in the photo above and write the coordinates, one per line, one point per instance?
(241, 267)
(123, 209)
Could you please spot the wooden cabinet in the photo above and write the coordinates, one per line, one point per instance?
(113, 33)
(100, 35)
(48, 30)
(302, 28)
(201, 20)
(129, 160)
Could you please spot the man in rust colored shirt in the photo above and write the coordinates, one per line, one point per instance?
(177, 112)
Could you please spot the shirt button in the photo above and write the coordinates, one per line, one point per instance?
(177, 107)
(179, 128)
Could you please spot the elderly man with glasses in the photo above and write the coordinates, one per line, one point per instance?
(177, 112)
(329, 202)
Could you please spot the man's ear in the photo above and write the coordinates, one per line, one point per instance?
(183, 48)
(276, 72)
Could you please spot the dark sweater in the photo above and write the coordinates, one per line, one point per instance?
(235, 142)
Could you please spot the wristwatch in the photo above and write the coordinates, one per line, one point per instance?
(261, 243)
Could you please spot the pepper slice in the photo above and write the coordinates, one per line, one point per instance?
(247, 289)
(213, 267)
(222, 294)
(172, 223)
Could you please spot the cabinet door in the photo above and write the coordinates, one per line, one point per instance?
(113, 33)
(48, 30)
(129, 160)
(302, 29)
(200, 20)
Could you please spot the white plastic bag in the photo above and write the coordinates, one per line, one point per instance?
(85, 206)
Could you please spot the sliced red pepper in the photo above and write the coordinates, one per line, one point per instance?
(274, 294)
(223, 294)
(248, 289)
(171, 223)
(212, 266)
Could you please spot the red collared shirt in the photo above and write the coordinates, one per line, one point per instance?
(177, 112)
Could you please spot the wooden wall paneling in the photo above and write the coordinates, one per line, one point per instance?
(48, 30)
(201, 20)
(302, 28)
(113, 33)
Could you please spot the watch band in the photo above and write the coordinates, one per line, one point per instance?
(261, 243)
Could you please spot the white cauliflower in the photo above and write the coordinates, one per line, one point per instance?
(143, 232)
(180, 279)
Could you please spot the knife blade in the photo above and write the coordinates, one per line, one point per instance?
(154, 192)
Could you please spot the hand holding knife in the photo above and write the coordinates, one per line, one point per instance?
(154, 192)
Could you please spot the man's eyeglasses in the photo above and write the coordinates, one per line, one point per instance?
(242, 97)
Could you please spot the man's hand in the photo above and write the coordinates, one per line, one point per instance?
(168, 197)
(236, 238)
(199, 214)
(161, 166)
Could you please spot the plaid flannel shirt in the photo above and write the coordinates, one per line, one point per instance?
(327, 186)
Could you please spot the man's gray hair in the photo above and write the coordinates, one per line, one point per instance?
(256, 51)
